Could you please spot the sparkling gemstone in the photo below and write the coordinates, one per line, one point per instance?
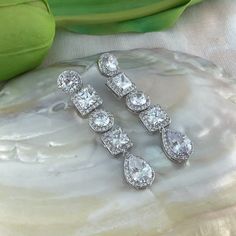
(138, 172)
(154, 118)
(101, 120)
(86, 97)
(122, 81)
(120, 84)
(86, 100)
(177, 145)
(116, 140)
(108, 64)
(119, 138)
(69, 81)
(111, 63)
(137, 101)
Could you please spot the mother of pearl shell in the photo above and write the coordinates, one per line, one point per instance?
(56, 178)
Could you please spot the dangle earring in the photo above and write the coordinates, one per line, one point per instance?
(176, 145)
(86, 100)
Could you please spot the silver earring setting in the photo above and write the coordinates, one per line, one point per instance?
(176, 145)
(86, 100)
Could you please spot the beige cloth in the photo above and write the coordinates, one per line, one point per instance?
(207, 30)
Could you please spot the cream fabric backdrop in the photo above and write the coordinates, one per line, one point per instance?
(207, 30)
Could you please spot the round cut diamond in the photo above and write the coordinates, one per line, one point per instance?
(138, 172)
(137, 101)
(101, 120)
(108, 64)
(177, 145)
(69, 81)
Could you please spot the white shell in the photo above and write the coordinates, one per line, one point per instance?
(57, 179)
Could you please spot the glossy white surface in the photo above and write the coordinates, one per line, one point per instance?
(57, 179)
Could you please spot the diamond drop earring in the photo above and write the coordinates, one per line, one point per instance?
(137, 171)
(176, 145)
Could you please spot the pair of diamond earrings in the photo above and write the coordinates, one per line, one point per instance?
(138, 173)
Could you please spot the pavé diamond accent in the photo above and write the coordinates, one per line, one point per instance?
(69, 81)
(137, 101)
(86, 100)
(101, 120)
(116, 140)
(138, 172)
(154, 118)
(108, 64)
(120, 84)
(176, 145)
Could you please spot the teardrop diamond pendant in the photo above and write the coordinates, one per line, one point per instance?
(138, 172)
(177, 146)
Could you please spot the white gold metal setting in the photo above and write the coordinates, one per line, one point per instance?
(101, 120)
(86, 100)
(177, 146)
(154, 118)
(116, 140)
(138, 172)
(137, 101)
(120, 85)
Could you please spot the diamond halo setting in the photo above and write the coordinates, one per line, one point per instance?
(120, 84)
(137, 101)
(69, 81)
(101, 120)
(154, 118)
(138, 172)
(116, 140)
(176, 145)
(108, 64)
(86, 100)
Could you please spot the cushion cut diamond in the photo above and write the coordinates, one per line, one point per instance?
(138, 172)
(116, 140)
(86, 100)
(154, 118)
(120, 84)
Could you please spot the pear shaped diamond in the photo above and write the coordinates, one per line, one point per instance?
(176, 145)
(138, 172)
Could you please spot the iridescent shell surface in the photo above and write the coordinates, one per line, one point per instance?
(57, 179)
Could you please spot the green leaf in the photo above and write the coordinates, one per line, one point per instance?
(112, 16)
